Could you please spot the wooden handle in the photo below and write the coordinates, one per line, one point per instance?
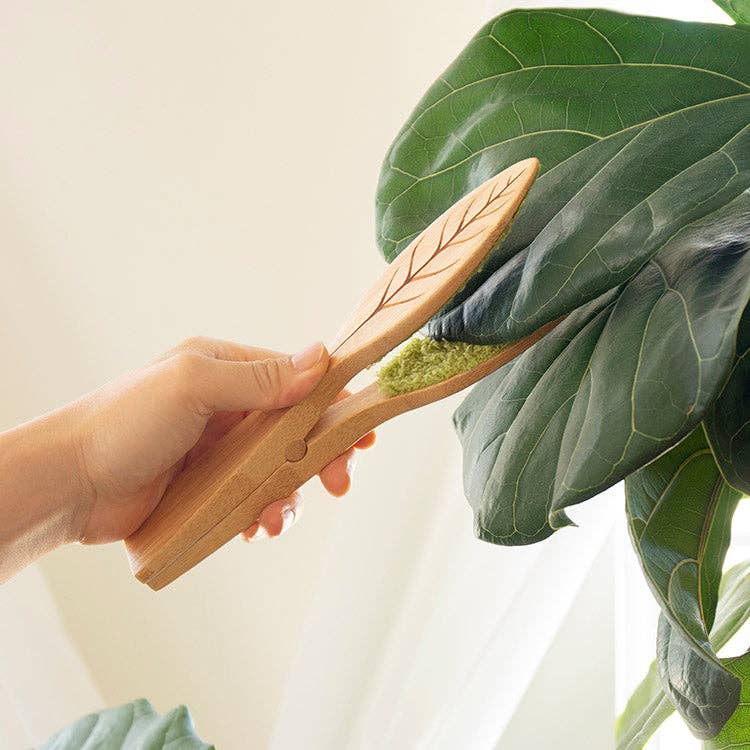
(202, 508)
(433, 267)
(339, 428)
(205, 493)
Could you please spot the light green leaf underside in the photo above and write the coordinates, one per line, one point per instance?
(649, 706)
(679, 512)
(736, 732)
(737, 10)
(645, 712)
(133, 726)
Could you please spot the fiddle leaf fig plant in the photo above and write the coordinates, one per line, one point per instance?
(133, 726)
(637, 235)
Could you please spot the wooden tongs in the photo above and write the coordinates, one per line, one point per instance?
(270, 454)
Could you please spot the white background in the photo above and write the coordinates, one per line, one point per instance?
(175, 168)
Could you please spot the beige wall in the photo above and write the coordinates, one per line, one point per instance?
(147, 152)
(174, 168)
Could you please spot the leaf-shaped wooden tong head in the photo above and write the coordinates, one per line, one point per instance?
(269, 455)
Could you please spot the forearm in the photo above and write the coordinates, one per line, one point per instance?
(93, 471)
(40, 489)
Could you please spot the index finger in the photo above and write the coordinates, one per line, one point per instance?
(230, 351)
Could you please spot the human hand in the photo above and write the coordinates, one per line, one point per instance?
(135, 435)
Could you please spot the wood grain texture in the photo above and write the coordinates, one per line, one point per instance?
(342, 424)
(267, 454)
(433, 267)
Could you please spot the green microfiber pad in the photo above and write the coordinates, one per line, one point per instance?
(426, 361)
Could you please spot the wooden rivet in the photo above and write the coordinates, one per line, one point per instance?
(296, 451)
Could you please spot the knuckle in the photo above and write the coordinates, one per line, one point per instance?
(269, 376)
(186, 369)
(193, 343)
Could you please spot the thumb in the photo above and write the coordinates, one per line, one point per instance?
(263, 384)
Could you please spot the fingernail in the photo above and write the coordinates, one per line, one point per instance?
(308, 358)
(351, 464)
(287, 518)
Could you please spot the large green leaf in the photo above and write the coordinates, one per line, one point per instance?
(601, 396)
(548, 83)
(679, 512)
(592, 222)
(649, 706)
(641, 125)
(134, 726)
(728, 419)
(515, 420)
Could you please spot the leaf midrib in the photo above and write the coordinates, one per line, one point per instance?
(706, 527)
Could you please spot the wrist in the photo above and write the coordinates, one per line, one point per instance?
(43, 488)
(77, 494)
